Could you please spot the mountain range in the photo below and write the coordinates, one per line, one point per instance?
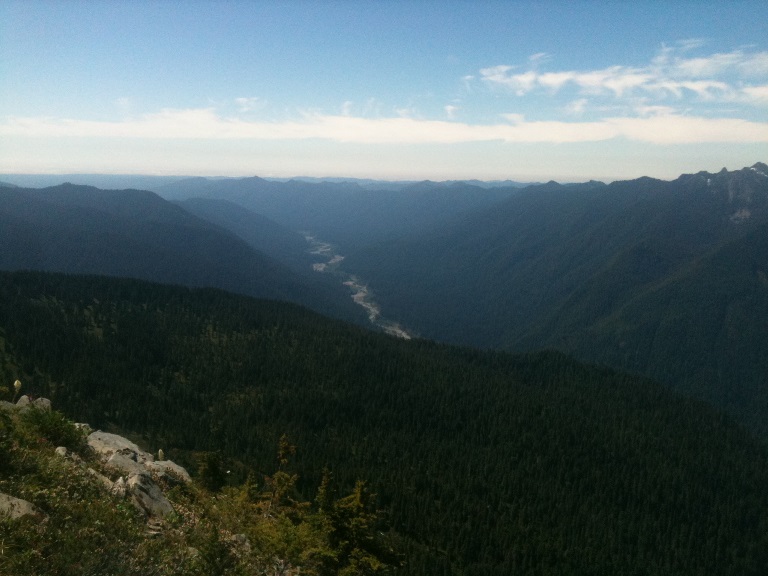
(484, 461)
(345, 213)
(661, 278)
(132, 233)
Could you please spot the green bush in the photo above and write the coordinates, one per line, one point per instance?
(54, 427)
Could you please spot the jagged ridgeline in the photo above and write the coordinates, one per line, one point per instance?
(483, 462)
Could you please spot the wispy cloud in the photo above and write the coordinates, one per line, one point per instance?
(576, 107)
(670, 74)
(652, 104)
(450, 111)
(657, 126)
(756, 93)
(250, 104)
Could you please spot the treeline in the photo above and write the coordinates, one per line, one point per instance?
(483, 462)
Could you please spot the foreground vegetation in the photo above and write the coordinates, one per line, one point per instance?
(483, 463)
(259, 527)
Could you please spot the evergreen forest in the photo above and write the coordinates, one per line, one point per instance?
(475, 462)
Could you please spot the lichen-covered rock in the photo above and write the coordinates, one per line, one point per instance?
(123, 463)
(23, 402)
(84, 427)
(14, 508)
(168, 469)
(42, 404)
(106, 444)
(147, 496)
(61, 451)
(106, 482)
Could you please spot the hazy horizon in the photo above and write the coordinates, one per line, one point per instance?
(53, 178)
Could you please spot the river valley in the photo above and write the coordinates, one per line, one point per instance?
(328, 263)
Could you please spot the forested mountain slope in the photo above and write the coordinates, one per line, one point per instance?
(286, 246)
(484, 462)
(133, 233)
(634, 274)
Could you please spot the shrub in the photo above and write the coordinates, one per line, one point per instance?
(54, 427)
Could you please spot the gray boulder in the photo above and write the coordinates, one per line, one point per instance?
(123, 463)
(106, 444)
(15, 508)
(105, 482)
(42, 404)
(126, 457)
(147, 496)
(168, 469)
(23, 402)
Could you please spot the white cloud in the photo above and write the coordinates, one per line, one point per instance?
(758, 94)
(556, 80)
(250, 104)
(704, 89)
(669, 74)
(206, 124)
(519, 83)
(690, 44)
(674, 129)
(450, 111)
(653, 110)
(576, 107)
(539, 57)
(754, 65)
(712, 65)
(406, 112)
(514, 118)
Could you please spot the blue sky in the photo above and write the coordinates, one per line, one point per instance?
(387, 89)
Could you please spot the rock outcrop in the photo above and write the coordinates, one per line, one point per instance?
(25, 402)
(148, 496)
(138, 470)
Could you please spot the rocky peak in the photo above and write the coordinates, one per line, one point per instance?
(760, 168)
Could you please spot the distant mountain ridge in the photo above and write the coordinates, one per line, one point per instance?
(344, 213)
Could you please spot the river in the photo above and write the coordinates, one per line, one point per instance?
(361, 294)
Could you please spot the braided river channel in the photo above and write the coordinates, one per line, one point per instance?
(329, 264)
